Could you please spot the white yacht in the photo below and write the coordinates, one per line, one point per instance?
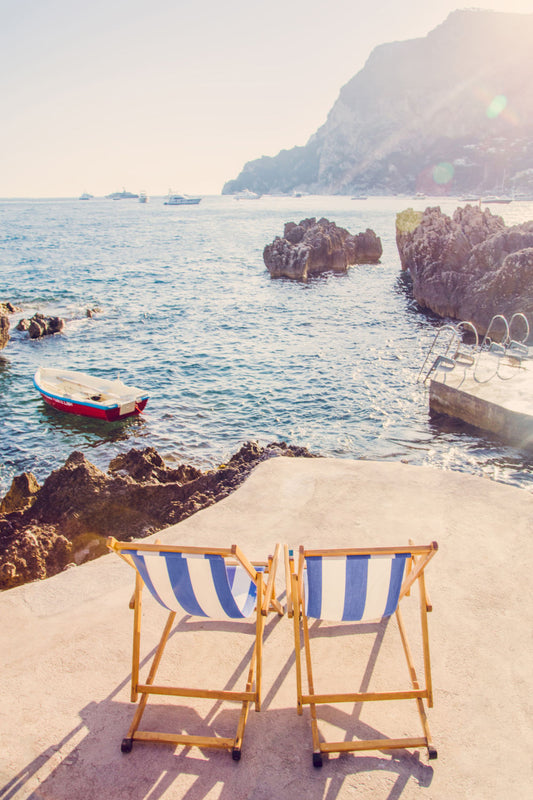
(181, 200)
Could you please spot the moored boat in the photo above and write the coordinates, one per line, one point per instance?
(78, 393)
(181, 200)
(123, 195)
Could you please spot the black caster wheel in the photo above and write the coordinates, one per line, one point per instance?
(236, 754)
(432, 753)
(126, 745)
(317, 759)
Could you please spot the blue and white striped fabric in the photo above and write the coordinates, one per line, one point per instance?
(201, 585)
(353, 588)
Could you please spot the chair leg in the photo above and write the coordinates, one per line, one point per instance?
(432, 752)
(258, 648)
(317, 754)
(297, 645)
(137, 609)
(151, 675)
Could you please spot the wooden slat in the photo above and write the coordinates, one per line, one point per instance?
(221, 743)
(372, 744)
(362, 697)
(176, 691)
(169, 548)
(363, 551)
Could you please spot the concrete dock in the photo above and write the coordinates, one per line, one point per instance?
(66, 654)
(500, 402)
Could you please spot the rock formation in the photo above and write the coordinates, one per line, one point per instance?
(5, 309)
(4, 330)
(469, 266)
(39, 325)
(449, 113)
(66, 521)
(312, 247)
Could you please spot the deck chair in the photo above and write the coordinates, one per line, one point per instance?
(208, 582)
(355, 586)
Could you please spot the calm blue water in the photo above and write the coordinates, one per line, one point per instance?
(189, 312)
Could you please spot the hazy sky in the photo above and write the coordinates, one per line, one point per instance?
(153, 94)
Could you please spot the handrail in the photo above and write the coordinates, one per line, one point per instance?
(454, 335)
(453, 354)
(521, 316)
(487, 341)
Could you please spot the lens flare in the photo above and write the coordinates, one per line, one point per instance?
(496, 106)
(442, 173)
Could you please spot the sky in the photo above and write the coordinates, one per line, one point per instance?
(152, 95)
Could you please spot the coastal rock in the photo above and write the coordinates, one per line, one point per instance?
(39, 325)
(4, 330)
(21, 494)
(8, 308)
(470, 266)
(79, 505)
(312, 247)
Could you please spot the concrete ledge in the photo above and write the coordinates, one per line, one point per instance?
(66, 645)
(502, 406)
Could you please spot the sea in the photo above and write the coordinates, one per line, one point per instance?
(181, 305)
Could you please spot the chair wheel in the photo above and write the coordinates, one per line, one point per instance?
(317, 759)
(432, 753)
(126, 745)
(236, 754)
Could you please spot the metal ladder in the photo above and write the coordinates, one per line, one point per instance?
(456, 353)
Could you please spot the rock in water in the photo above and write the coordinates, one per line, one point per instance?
(39, 325)
(312, 247)
(470, 266)
(4, 330)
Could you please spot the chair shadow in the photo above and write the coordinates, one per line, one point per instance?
(276, 757)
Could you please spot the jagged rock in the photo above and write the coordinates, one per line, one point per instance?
(468, 267)
(21, 494)
(8, 308)
(78, 506)
(39, 325)
(36, 553)
(147, 465)
(4, 330)
(312, 247)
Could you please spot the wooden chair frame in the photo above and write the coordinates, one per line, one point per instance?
(266, 601)
(414, 572)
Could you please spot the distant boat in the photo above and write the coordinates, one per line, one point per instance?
(78, 393)
(181, 200)
(143, 197)
(246, 194)
(419, 196)
(86, 196)
(360, 197)
(123, 195)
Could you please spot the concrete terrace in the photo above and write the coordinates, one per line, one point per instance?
(66, 654)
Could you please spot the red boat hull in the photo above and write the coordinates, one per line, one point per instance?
(96, 412)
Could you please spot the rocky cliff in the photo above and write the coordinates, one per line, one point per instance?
(448, 113)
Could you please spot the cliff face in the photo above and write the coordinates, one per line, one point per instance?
(449, 113)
